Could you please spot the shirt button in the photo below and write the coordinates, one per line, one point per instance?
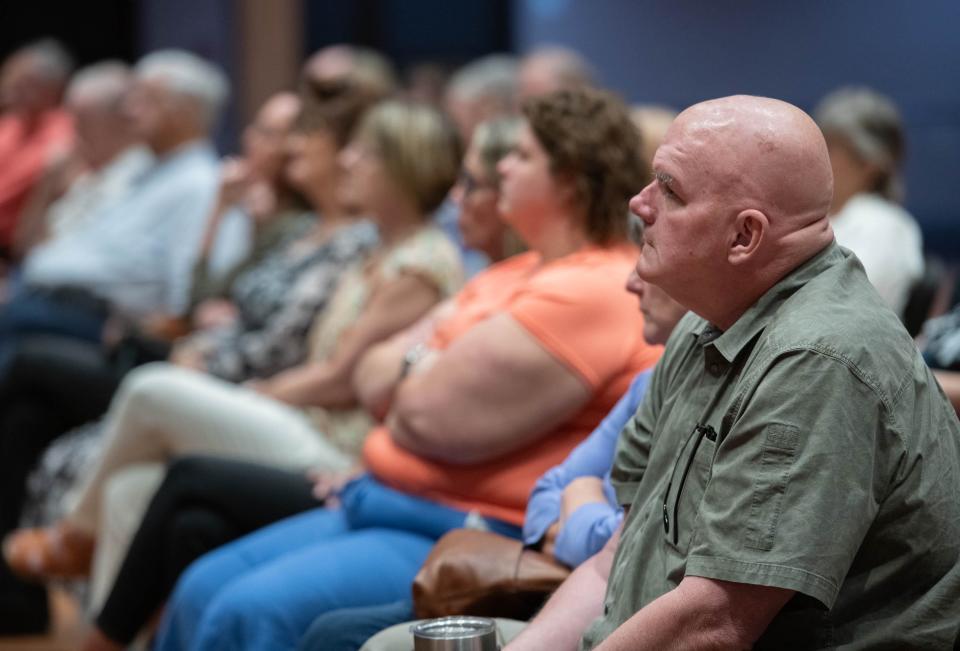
(714, 369)
(666, 520)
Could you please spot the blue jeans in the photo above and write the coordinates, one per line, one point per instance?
(264, 590)
(32, 312)
(348, 628)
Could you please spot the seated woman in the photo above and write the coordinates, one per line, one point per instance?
(205, 502)
(400, 164)
(534, 353)
(571, 514)
(866, 141)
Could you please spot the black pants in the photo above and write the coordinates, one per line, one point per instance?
(48, 385)
(204, 502)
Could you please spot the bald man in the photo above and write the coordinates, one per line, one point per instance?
(791, 478)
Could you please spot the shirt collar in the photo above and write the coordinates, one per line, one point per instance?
(729, 343)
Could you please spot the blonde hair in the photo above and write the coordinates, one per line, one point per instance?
(417, 145)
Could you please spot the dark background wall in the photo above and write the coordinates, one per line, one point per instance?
(684, 51)
(412, 31)
(94, 30)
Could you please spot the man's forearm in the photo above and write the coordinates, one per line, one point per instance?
(665, 624)
(701, 614)
(572, 608)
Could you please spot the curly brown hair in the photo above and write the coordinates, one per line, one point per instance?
(591, 140)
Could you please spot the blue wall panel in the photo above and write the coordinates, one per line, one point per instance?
(681, 51)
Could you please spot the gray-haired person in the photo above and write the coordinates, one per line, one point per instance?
(136, 256)
(105, 159)
(864, 134)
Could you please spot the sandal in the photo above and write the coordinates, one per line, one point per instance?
(56, 552)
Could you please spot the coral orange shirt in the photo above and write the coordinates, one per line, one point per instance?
(24, 155)
(578, 310)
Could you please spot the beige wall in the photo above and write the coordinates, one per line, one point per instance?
(270, 50)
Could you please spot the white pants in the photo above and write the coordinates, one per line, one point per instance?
(162, 411)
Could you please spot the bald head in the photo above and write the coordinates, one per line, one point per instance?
(765, 153)
(741, 196)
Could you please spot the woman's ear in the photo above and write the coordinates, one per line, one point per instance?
(567, 188)
(749, 229)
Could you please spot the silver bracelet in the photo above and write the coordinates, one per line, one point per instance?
(412, 357)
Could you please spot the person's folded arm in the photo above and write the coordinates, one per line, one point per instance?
(701, 614)
(393, 306)
(494, 390)
(377, 373)
(585, 532)
(591, 458)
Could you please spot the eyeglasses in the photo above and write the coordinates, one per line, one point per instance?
(469, 183)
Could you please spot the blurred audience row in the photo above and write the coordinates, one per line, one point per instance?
(412, 314)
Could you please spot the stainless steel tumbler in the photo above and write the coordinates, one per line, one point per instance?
(456, 634)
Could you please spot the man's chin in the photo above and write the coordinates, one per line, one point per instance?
(646, 270)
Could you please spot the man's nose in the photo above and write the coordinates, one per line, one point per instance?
(642, 207)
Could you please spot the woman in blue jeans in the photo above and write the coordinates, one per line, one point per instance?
(373, 545)
(550, 355)
(571, 514)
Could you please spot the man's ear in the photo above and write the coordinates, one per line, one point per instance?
(749, 228)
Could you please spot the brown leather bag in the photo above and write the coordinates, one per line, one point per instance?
(472, 572)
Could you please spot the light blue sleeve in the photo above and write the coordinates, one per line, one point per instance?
(183, 234)
(593, 458)
(586, 531)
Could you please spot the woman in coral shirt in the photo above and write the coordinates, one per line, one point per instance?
(516, 371)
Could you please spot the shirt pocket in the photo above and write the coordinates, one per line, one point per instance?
(688, 480)
(771, 477)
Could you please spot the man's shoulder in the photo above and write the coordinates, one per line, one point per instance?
(839, 315)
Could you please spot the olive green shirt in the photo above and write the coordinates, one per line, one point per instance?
(809, 448)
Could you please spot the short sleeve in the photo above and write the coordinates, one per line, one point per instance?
(562, 312)
(796, 482)
(430, 255)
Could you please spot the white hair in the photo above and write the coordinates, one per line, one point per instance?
(566, 65)
(871, 125)
(188, 76)
(491, 77)
(105, 83)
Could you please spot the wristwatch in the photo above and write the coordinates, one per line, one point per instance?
(413, 355)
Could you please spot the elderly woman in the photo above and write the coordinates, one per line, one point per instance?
(205, 502)
(532, 354)
(865, 138)
(400, 164)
